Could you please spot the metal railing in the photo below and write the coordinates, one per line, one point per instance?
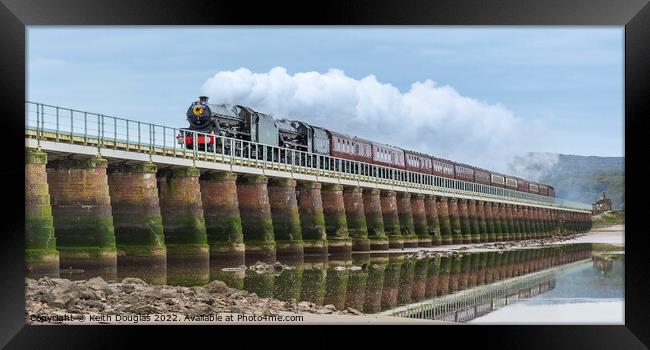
(52, 123)
(467, 304)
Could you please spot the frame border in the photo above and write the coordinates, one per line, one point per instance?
(15, 15)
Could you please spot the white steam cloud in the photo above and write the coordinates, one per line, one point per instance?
(428, 117)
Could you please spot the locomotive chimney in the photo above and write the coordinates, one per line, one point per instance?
(203, 99)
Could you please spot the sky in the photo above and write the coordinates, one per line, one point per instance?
(478, 95)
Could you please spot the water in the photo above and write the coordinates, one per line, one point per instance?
(557, 284)
(591, 292)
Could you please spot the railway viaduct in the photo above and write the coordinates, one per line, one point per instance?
(102, 191)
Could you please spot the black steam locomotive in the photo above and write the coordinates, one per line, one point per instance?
(237, 122)
(243, 123)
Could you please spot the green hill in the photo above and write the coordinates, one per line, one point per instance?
(577, 178)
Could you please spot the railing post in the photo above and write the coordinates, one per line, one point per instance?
(57, 124)
(71, 127)
(85, 128)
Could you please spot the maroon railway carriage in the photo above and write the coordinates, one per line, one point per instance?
(522, 185)
(543, 190)
(348, 147)
(551, 191)
(443, 167)
(511, 182)
(533, 187)
(418, 162)
(481, 176)
(497, 180)
(387, 155)
(464, 172)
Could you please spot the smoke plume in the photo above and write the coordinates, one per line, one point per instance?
(430, 118)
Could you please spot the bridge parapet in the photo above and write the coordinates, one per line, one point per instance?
(66, 130)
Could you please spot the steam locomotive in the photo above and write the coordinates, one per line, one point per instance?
(243, 123)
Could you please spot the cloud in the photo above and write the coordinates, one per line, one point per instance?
(431, 118)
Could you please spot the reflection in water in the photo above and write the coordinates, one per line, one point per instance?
(585, 292)
(313, 279)
(376, 282)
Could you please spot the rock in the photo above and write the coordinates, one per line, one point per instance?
(238, 294)
(330, 307)
(305, 304)
(63, 301)
(354, 311)
(146, 310)
(134, 281)
(30, 283)
(217, 287)
(97, 283)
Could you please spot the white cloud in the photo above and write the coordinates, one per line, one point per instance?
(428, 117)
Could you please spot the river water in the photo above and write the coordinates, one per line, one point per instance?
(565, 283)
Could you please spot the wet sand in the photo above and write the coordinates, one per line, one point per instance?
(614, 235)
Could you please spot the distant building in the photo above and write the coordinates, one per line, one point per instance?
(602, 205)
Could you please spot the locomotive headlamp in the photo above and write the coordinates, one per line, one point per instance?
(197, 110)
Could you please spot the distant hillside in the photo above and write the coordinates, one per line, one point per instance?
(577, 178)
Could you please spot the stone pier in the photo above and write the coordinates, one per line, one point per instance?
(547, 222)
(257, 222)
(529, 223)
(312, 219)
(465, 227)
(482, 224)
(489, 222)
(534, 225)
(184, 226)
(137, 219)
(454, 218)
(541, 219)
(443, 219)
(391, 219)
(519, 223)
(523, 222)
(356, 218)
(336, 224)
(498, 212)
(222, 220)
(537, 232)
(41, 256)
(83, 220)
(374, 219)
(285, 217)
(539, 222)
(473, 221)
(433, 223)
(420, 221)
(405, 213)
(509, 220)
